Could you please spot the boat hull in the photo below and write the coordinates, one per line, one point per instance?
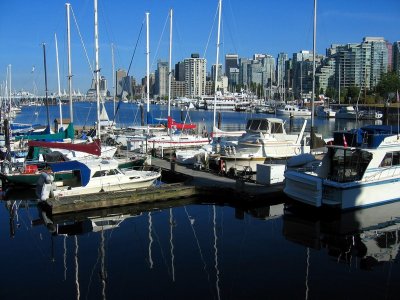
(311, 190)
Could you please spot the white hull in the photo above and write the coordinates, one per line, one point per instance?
(177, 142)
(129, 180)
(317, 192)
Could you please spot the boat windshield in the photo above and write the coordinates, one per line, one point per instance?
(348, 164)
(257, 125)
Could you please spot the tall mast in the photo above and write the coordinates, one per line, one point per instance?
(170, 63)
(69, 64)
(339, 82)
(216, 64)
(313, 81)
(58, 81)
(97, 70)
(45, 84)
(10, 94)
(147, 65)
(113, 71)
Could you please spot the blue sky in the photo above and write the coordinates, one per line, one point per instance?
(252, 26)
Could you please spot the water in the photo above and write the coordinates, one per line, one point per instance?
(129, 115)
(200, 251)
(193, 249)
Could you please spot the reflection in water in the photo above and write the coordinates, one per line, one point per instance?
(216, 252)
(370, 234)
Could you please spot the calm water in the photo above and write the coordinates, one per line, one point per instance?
(129, 115)
(197, 250)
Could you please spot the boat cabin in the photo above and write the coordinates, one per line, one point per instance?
(266, 125)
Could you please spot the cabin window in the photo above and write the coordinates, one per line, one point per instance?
(348, 164)
(391, 159)
(276, 128)
(264, 125)
(253, 124)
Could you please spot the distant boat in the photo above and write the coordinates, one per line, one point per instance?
(325, 112)
(293, 110)
(361, 168)
(347, 112)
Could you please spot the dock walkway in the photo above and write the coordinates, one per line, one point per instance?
(180, 183)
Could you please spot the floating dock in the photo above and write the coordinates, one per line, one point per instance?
(178, 183)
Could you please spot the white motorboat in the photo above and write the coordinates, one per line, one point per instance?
(91, 177)
(361, 168)
(293, 111)
(265, 139)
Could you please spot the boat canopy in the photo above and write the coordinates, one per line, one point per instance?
(73, 165)
(59, 136)
(91, 148)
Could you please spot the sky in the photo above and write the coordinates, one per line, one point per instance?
(248, 27)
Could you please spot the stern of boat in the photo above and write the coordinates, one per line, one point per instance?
(303, 187)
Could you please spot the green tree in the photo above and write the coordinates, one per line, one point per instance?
(352, 93)
(390, 83)
(330, 92)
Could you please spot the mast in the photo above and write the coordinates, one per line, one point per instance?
(313, 81)
(58, 81)
(45, 84)
(147, 65)
(10, 93)
(69, 64)
(216, 63)
(170, 62)
(339, 83)
(113, 71)
(97, 70)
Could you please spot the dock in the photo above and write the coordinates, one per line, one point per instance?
(179, 183)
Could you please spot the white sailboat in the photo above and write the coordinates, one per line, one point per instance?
(94, 175)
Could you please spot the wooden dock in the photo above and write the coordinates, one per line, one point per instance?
(182, 182)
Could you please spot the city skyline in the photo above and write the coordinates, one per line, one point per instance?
(268, 28)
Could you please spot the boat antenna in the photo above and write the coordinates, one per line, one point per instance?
(216, 63)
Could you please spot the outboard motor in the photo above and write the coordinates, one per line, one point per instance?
(44, 186)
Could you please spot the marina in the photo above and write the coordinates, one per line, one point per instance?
(186, 175)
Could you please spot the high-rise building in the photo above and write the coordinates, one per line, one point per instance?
(219, 72)
(161, 79)
(119, 75)
(180, 71)
(281, 71)
(195, 76)
(243, 78)
(361, 65)
(231, 61)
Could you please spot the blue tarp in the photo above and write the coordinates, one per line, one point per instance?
(73, 165)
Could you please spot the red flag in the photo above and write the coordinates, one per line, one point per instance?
(344, 141)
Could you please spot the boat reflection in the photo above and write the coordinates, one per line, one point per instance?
(370, 234)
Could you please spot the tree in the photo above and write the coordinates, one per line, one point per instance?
(330, 92)
(390, 83)
(352, 93)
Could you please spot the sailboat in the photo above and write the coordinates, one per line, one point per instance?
(93, 175)
(176, 138)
